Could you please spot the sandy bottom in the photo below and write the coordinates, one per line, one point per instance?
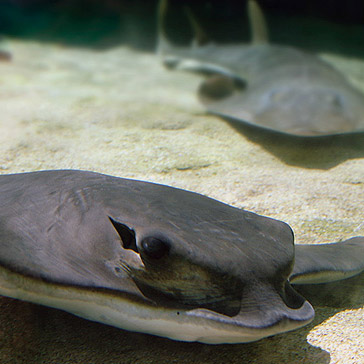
(120, 112)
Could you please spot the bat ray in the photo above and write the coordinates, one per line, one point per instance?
(270, 86)
(155, 259)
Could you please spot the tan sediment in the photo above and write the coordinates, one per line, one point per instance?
(120, 112)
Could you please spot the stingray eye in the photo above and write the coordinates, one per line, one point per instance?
(154, 248)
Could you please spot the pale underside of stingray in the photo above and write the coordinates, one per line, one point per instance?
(274, 87)
(159, 260)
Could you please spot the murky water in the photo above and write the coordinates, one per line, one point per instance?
(118, 111)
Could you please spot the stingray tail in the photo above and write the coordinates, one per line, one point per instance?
(323, 263)
(200, 36)
(258, 24)
(163, 44)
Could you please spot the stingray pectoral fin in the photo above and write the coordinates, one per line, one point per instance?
(230, 107)
(323, 263)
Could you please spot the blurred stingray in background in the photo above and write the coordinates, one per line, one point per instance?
(274, 87)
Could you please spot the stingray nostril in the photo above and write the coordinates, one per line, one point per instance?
(291, 298)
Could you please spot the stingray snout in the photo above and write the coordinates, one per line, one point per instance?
(264, 312)
(265, 307)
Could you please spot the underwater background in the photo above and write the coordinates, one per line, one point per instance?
(82, 87)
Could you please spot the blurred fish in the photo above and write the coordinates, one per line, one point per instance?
(269, 86)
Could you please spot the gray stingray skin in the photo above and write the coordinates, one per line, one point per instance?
(225, 277)
(286, 90)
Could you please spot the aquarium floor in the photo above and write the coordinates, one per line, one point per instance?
(119, 112)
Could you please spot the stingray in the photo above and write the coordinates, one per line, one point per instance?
(274, 87)
(159, 260)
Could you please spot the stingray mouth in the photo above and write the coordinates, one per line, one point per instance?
(256, 320)
(172, 282)
(181, 285)
(256, 309)
(219, 316)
